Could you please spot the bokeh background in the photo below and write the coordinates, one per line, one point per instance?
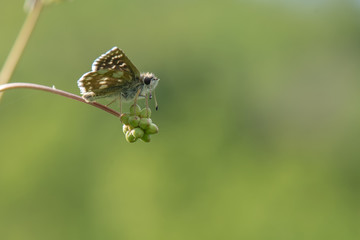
(259, 123)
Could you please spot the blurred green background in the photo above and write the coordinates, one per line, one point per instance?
(259, 123)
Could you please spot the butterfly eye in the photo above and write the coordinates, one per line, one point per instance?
(147, 81)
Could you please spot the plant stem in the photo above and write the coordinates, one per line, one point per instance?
(20, 43)
(59, 92)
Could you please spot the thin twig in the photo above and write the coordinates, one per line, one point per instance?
(59, 92)
(20, 43)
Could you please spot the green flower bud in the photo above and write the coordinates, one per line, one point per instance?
(137, 132)
(146, 138)
(124, 118)
(135, 110)
(126, 128)
(138, 124)
(145, 113)
(145, 123)
(152, 129)
(130, 138)
(134, 121)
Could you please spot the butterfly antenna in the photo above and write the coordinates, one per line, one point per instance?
(156, 104)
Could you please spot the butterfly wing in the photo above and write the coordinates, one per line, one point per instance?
(115, 59)
(100, 84)
(111, 73)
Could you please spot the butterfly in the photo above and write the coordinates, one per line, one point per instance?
(113, 75)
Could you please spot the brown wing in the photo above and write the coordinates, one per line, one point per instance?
(102, 82)
(115, 59)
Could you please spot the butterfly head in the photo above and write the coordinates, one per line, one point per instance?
(150, 82)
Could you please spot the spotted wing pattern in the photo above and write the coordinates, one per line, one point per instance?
(115, 59)
(101, 83)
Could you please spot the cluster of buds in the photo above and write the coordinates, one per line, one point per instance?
(138, 124)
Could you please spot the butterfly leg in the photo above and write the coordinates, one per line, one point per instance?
(147, 97)
(136, 96)
(111, 102)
